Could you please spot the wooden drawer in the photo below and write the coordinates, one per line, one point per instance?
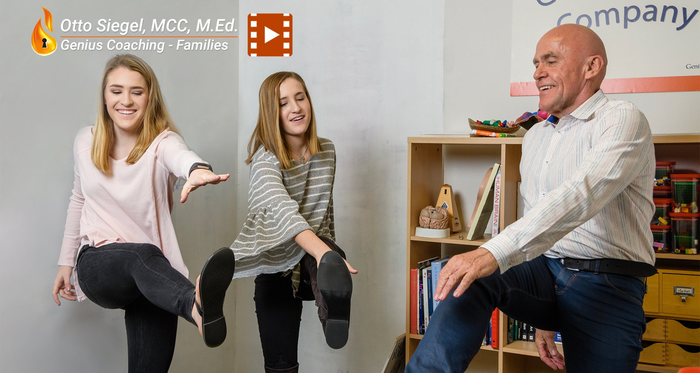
(677, 294)
(651, 298)
(653, 353)
(656, 329)
(683, 331)
(681, 355)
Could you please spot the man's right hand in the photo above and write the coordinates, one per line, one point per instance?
(463, 269)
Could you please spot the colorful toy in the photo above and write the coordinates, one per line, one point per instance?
(494, 126)
(493, 123)
(663, 181)
(662, 175)
(529, 119)
(661, 239)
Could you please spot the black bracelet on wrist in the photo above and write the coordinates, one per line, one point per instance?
(200, 165)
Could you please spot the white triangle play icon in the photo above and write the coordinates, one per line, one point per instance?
(269, 34)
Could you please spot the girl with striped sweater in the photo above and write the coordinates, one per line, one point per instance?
(287, 240)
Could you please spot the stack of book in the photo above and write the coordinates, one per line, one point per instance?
(521, 331)
(424, 280)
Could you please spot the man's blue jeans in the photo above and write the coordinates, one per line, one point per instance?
(599, 315)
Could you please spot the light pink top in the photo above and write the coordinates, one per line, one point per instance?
(131, 205)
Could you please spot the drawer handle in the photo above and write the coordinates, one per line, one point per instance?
(684, 292)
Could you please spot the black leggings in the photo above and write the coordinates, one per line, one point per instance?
(279, 310)
(140, 280)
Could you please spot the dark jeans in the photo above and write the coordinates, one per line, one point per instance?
(140, 280)
(600, 317)
(279, 310)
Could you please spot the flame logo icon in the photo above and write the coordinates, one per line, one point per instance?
(43, 43)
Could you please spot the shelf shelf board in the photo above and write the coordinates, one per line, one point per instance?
(524, 348)
(458, 139)
(681, 138)
(677, 256)
(464, 140)
(657, 368)
(454, 239)
(420, 336)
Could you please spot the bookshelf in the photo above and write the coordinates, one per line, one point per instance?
(436, 160)
(665, 311)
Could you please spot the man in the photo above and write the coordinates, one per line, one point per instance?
(587, 175)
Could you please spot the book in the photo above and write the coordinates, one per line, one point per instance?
(494, 328)
(427, 296)
(396, 361)
(421, 322)
(487, 337)
(511, 331)
(421, 288)
(414, 301)
(484, 204)
(436, 267)
(496, 221)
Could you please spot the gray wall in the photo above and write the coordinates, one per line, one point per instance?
(43, 103)
(374, 72)
(378, 72)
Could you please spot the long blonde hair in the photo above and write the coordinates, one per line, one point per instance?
(267, 132)
(156, 119)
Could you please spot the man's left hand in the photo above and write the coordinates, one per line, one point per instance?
(544, 340)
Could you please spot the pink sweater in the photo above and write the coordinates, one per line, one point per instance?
(131, 205)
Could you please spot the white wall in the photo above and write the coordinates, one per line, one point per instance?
(477, 73)
(43, 103)
(374, 72)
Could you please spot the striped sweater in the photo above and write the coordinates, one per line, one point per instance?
(282, 204)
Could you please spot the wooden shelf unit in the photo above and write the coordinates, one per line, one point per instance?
(426, 174)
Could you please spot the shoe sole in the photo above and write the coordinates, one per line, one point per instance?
(335, 285)
(217, 274)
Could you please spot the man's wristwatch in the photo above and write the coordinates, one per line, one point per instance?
(200, 166)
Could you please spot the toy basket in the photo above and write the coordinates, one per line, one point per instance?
(476, 126)
(662, 176)
(685, 232)
(662, 238)
(685, 189)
